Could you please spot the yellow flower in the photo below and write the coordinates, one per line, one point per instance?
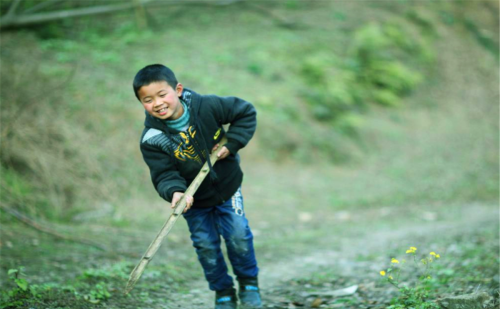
(382, 273)
(394, 261)
(433, 253)
(437, 256)
(411, 250)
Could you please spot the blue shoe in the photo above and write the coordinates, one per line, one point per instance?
(226, 299)
(249, 293)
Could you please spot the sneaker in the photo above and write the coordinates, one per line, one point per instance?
(226, 299)
(249, 293)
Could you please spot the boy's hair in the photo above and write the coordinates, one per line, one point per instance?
(153, 73)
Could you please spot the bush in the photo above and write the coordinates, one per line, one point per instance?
(377, 70)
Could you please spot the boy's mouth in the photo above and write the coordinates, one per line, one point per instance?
(162, 111)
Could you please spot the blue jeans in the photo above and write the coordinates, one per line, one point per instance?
(207, 225)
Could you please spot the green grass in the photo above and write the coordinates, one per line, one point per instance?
(69, 275)
(469, 262)
(98, 286)
(278, 70)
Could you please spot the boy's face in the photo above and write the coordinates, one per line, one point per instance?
(160, 100)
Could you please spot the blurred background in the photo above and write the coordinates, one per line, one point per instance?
(388, 106)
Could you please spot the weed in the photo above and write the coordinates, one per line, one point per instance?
(416, 296)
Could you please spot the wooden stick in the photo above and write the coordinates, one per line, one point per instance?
(178, 210)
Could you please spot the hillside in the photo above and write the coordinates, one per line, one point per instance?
(378, 123)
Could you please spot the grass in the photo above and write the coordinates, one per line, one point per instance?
(102, 104)
(469, 263)
(70, 275)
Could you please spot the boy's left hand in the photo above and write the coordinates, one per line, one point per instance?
(223, 152)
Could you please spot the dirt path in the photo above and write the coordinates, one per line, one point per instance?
(373, 241)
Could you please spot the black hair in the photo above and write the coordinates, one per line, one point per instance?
(153, 73)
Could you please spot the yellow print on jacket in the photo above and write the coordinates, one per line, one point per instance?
(217, 134)
(185, 150)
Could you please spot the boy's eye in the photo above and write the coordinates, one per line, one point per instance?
(162, 95)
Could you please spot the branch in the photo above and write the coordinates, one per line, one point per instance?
(13, 8)
(41, 5)
(24, 219)
(24, 20)
(282, 21)
(13, 21)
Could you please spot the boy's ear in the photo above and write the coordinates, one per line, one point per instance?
(179, 89)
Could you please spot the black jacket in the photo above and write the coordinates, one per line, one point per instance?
(175, 158)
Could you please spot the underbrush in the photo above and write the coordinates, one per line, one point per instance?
(468, 263)
(93, 288)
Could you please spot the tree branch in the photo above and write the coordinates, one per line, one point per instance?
(282, 21)
(14, 21)
(24, 219)
(13, 8)
(41, 5)
(24, 20)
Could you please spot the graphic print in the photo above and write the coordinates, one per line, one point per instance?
(185, 149)
(237, 203)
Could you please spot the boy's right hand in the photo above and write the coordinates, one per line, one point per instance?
(177, 197)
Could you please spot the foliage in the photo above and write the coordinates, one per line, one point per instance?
(315, 91)
(416, 296)
(470, 266)
(475, 261)
(376, 68)
(484, 37)
(25, 294)
(19, 292)
(91, 288)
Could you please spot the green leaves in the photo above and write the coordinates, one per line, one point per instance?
(100, 292)
(412, 296)
(14, 276)
(13, 273)
(22, 283)
(377, 68)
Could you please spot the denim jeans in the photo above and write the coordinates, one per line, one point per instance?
(228, 220)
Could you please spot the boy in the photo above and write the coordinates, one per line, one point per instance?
(180, 128)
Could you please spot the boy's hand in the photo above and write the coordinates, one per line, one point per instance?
(177, 197)
(223, 152)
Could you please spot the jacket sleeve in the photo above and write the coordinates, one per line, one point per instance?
(242, 118)
(165, 176)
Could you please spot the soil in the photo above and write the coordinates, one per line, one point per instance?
(284, 282)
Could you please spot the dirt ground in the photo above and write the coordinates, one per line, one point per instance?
(336, 250)
(284, 280)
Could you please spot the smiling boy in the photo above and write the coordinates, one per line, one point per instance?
(181, 127)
